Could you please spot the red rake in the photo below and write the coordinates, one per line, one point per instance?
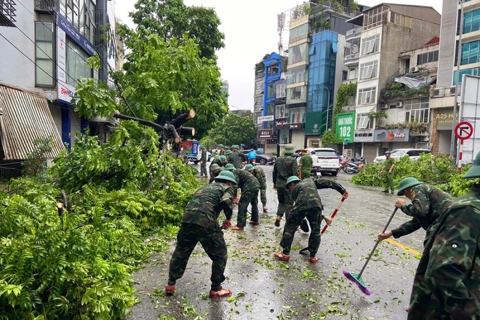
(304, 250)
(357, 277)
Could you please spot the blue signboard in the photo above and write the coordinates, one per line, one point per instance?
(76, 36)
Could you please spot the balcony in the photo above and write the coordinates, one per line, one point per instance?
(353, 33)
(47, 6)
(351, 59)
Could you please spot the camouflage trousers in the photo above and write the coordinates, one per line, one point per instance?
(388, 180)
(285, 201)
(203, 168)
(247, 197)
(212, 242)
(314, 217)
(263, 196)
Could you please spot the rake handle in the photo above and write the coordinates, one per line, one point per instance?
(376, 244)
(334, 213)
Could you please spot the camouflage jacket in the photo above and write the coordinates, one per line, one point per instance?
(246, 181)
(305, 193)
(285, 167)
(217, 161)
(450, 264)
(203, 157)
(207, 203)
(260, 175)
(236, 159)
(428, 204)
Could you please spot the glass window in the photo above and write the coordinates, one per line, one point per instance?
(77, 67)
(367, 96)
(280, 111)
(471, 71)
(427, 57)
(298, 54)
(470, 52)
(45, 66)
(280, 90)
(271, 91)
(417, 110)
(297, 95)
(298, 33)
(471, 22)
(296, 115)
(368, 70)
(258, 87)
(297, 75)
(371, 45)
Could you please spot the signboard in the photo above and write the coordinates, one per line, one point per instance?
(470, 113)
(391, 135)
(265, 118)
(463, 130)
(265, 134)
(444, 118)
(346, 126)
(363, 136)
(73, 33)
(314, 124)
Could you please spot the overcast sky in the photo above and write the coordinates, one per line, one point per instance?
(250, 28)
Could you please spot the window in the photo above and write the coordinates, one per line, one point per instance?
(344, 75)
(370, 45)
(427, 57)
(363, 122)
(259, 87)
(471, 21)
(298, 54)
(352, 74)
(375, 17)
(7, 13)
(270, 90)
(45, 66)
(297, 75)
(297, 95)
(296, 115)
(80, 13)
(471, 71)
(280, 111)
(470, 53)
(77, 66)
(417, 110)
(298, 33)
(368, 70)
(258, 102)
(280, 91)
(367, 96)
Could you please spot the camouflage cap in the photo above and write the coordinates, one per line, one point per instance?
(249, 167)
(235, 146)
(222, 158)
(292, 179)
(474, 171)
(407, 183)
(201, 146)
(228, 152)
(289, 149)
(227, 176)
(230, 167)
(221, 146)
(215, 167)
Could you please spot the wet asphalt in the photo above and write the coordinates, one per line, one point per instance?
(264, 288)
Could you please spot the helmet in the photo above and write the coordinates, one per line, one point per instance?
(474, 171)
(289, 149)
(215, 167)
(235, 146)
(249, 167)
(388, 152)
(222, 158)
(292, 179)
(407, 183)
(201, 146)
(221, 146)
(226, 175)
(228, 152)
(230, 167)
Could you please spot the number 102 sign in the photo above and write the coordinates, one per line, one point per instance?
(346, 126)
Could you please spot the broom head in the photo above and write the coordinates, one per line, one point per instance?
(357, 279)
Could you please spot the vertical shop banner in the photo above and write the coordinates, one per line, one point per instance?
(346, 126)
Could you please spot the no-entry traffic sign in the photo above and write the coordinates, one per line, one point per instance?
(463, 130)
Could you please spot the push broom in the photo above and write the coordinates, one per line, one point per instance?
(305, 226)
(357, 277)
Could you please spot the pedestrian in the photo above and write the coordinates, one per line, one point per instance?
(314, 157)
(221, 149)
(249, 186)
(203, 162)
(252, 156)
(305, 165)
(221, 161)
(427, 204)
(200, 224)
(285, 166)
(215, 170)
(234, 157)
(388, 166)
(260, 175)
(449, 269)
(307, 204)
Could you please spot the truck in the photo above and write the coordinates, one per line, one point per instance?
(190, 150)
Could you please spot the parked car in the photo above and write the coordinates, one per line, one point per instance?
(327, 161)
(397, 153)
(262, 158)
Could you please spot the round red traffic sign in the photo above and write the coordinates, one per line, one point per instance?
(463, 130)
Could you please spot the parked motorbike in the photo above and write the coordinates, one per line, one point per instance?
(352, 166)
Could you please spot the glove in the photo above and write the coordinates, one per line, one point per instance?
(235, 201)
(226, 224)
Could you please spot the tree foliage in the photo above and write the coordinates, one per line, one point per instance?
(234, 130)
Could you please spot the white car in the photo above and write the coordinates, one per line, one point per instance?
(328, 161)
(397, 153)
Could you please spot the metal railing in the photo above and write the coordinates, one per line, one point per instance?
(45, 5)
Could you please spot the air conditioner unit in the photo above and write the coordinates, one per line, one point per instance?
(439, 92)
(400, 104)
(414, 69)
(452, 91)
(384, 106)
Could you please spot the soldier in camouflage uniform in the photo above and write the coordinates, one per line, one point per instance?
(222, 150)
(221, 161)
(285, 167)
(307, 204)
(260, 175)
(388, 166)
(215, 170)
(199, 224)
(249, 186)
(449, 269)
(236, 158)
(305, 165)
(203, 162)
(428, 203)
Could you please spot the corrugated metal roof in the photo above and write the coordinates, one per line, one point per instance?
(26, 117)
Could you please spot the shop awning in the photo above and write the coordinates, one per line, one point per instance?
(24, 118)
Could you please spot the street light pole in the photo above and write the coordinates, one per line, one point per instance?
(453, 153)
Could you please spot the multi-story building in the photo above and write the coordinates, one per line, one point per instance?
(387, 30)
(258, 92)
(444, 94)
(45, 52)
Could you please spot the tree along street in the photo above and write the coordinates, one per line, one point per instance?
(264, 288)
